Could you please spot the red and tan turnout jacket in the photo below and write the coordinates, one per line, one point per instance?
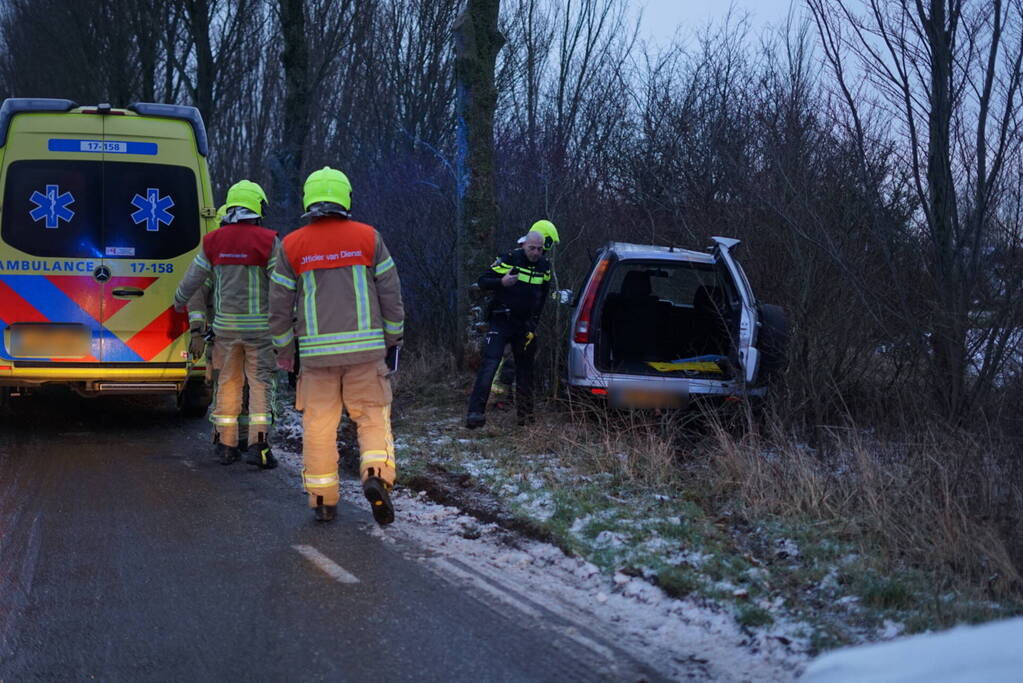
(236, 260)
(336, 291)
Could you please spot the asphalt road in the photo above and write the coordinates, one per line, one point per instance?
(127, 554)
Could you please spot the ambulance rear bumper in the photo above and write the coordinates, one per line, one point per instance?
(97, 378)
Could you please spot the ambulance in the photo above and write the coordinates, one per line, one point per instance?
(102, 211)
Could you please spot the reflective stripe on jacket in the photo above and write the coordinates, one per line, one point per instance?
(239, 259)
(335, 289)
(525, 299)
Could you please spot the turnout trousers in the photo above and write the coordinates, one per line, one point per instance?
(502, 333)
(237, 361)
(365, 391)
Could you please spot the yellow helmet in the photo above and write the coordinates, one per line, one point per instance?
(327, 185)
(247, 194)
(549, 232)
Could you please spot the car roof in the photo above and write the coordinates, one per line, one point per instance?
(629, 251)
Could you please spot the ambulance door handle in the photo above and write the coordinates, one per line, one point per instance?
(127, 293)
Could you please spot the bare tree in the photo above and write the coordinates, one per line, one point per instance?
(946, 75)
(564, 94)
(216, 33)
(106, 51)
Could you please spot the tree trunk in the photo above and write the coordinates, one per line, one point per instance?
(949, 339)
(295, 59)
(198, 12)
(477, 42)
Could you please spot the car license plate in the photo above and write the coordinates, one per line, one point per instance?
(50, 341)
(631, 397)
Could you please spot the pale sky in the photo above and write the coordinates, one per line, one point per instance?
(661, 18)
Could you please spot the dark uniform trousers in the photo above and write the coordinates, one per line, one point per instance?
(505, 330)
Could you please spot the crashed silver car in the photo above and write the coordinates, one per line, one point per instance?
(659, 326)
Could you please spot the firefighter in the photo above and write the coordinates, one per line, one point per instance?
(520, 281)
(335, 291)
(237, 258)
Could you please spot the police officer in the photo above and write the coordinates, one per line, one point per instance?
(336, 290)
(520, 281)
(236, 259)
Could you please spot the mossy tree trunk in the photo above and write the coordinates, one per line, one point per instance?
(477, 42)
(287, 167)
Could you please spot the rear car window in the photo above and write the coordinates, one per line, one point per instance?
(100, 209)
(674, 282)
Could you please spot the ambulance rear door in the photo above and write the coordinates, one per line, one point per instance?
(151, 228)
(51, 284)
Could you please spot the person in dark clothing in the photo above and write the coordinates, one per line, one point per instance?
(520, 281)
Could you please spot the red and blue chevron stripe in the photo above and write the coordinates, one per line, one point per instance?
(80, 299)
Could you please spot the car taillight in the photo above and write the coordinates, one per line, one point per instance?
(598, 392)
(582, 325)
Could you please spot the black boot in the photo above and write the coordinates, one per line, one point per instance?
(260, 455)
(227, 454)
(324, 513)
(379, 499)
(474, 420)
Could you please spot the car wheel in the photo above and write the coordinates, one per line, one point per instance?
(772, 341)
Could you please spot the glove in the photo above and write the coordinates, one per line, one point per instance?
(286, 357)
(197, 346)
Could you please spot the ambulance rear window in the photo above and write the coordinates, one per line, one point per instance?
(150, 209)
(54, 208)
(100, 209)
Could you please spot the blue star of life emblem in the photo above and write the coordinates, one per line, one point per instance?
(53, 206)
(152, 209)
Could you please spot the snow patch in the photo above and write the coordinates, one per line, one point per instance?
(680, 638)
(965, 654)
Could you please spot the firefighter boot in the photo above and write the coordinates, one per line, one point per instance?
(324, 513)
(260, 455)
(227, 455)
(376, 492)
(474, 420)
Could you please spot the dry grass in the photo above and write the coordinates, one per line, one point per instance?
(943, 501)
(946, 504)
(630, 446)
(424, 375)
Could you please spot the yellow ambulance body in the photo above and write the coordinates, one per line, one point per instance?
(102, 211)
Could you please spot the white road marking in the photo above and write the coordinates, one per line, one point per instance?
(326, 565)
(189, 464)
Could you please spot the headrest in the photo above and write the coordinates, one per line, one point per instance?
(636, 284)
(708, 298)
